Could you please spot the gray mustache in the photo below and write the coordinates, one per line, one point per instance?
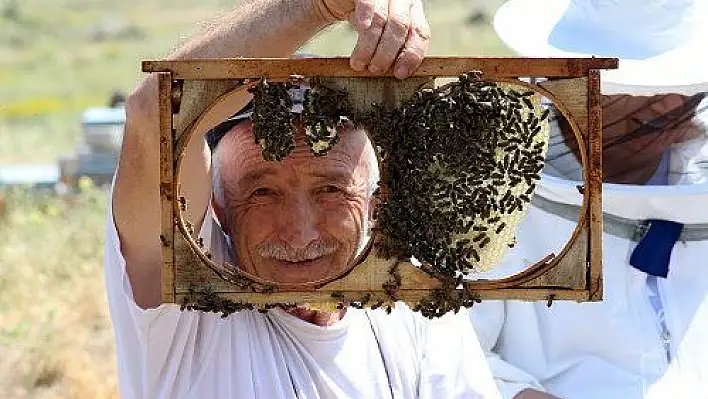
(313, 250)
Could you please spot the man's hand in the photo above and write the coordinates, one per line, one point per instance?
(392, 33)
(534, 394)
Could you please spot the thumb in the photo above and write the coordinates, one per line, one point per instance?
(363, 15)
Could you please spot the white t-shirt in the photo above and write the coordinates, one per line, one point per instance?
(167, 353)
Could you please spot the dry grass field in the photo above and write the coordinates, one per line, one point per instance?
(58, 57)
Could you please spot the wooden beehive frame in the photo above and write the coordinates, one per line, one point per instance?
(187, 88)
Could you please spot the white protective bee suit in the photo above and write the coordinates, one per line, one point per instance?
(648, 338)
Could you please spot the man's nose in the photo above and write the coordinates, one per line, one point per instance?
(298, 221)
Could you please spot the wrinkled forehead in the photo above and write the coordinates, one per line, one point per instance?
(239, 153)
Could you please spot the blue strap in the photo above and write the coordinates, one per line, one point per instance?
(653, 252)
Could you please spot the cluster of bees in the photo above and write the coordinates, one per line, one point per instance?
(324, 110)
(461, 162)
(273, 120)
(205, 300)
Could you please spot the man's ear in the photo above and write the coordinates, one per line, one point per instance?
(220, 215)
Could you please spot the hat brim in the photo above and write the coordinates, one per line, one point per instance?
(525, 26)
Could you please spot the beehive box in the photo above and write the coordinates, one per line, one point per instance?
(189, 90)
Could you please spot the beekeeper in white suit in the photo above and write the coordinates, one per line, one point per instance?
(648, 338)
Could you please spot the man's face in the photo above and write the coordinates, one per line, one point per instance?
(300, 220)
(636, 132)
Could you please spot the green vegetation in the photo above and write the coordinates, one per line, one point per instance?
(55, 335)
(58, 57)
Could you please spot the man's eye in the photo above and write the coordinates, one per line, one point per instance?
(262, 191)
(330, 189)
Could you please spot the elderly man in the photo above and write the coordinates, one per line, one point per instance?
(649, 336)
(309, 211)
(288, 221)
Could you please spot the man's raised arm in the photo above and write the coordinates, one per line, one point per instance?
(391, 34)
